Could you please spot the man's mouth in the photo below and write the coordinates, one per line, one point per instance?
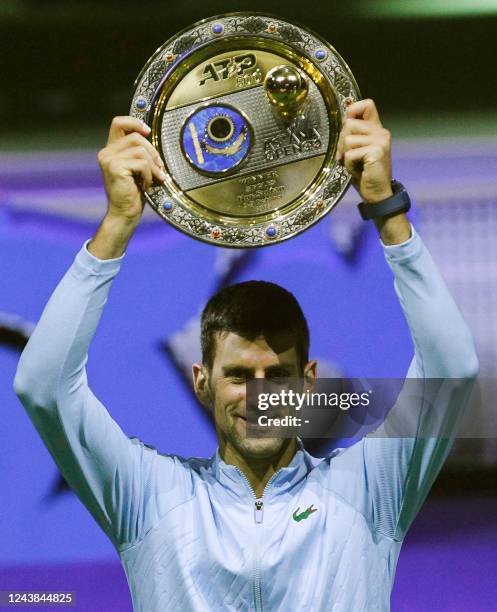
(253, 421)
(252, 424)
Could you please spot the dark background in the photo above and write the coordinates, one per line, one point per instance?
(75, 62)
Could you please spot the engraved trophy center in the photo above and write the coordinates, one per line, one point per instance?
(215, 139)
(245, 111)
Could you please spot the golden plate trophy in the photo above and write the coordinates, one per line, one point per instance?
(245, 111)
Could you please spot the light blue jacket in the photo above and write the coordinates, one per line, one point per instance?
(188, 531)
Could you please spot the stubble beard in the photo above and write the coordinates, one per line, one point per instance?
(234, 433)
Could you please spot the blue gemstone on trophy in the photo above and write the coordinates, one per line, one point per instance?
(320, 54)
(141, 103)
(167, 206)
(271, 231)
(216, 138)
(218, 28)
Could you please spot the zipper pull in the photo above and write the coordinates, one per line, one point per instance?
(258, 512)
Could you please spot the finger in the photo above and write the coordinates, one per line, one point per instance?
(136, 140)
(352, 126)
(138, 148)
(138, 168)
(133, 140)
(121, 126)
(363, 109)
(354, 141)
(141, 152)
(143, 149)
(355, 158)
(379, 138)
(358, 126)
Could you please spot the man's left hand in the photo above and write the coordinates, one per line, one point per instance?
(364, 148)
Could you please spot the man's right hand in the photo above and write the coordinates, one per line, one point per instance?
(130, 165)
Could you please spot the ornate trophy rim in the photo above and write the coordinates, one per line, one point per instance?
(319, 55)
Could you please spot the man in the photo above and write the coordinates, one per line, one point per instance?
(262, 525)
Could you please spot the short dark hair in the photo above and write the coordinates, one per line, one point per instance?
(251, 309)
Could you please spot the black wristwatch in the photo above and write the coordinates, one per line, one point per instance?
(398, 202)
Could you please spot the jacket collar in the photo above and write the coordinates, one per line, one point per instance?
(231, 478)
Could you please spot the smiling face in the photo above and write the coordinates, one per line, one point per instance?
(237, 360)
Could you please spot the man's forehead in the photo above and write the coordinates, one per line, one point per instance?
(281, 344)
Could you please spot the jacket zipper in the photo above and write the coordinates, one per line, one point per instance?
(258, 516)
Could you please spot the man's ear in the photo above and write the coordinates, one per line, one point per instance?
(201, 385)
(310, 375)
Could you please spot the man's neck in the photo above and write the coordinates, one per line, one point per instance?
(259, 472)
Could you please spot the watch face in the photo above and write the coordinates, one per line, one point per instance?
(245, 111)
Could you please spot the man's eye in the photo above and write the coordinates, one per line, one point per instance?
(238, 378)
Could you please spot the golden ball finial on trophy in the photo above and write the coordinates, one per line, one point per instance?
(286, 88)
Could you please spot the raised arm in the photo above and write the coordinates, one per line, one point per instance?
(404, 456)
(396, 467)
(112, 474)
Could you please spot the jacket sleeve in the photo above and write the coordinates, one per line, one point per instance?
(402, 459)
(113, 475)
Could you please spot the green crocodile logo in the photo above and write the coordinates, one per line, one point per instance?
(305, 514)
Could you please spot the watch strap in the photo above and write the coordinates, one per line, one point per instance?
(398, 202)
